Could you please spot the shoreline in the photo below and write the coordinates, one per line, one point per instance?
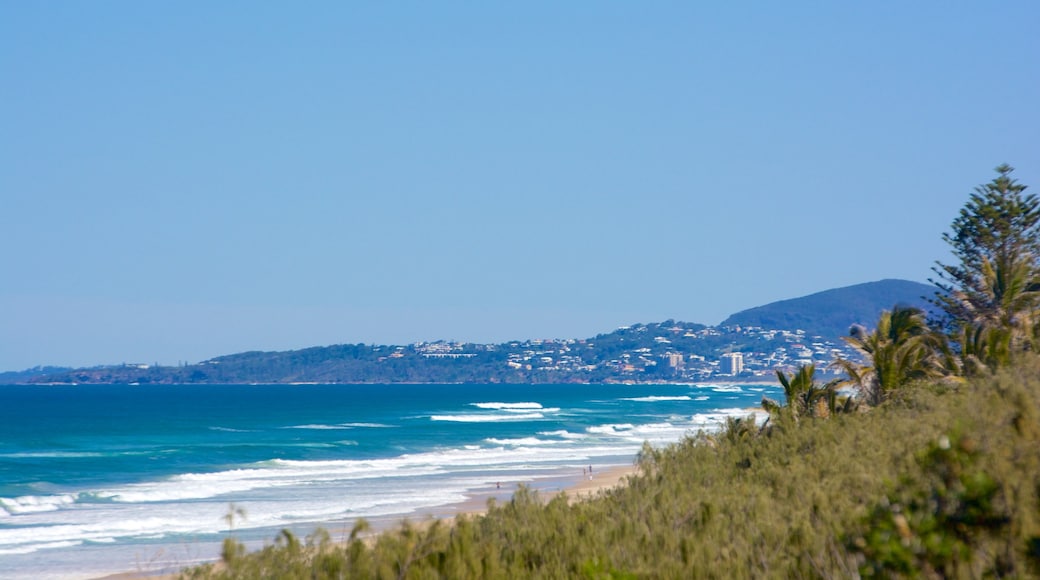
(457, 479)
(578, 487)
(770, 380)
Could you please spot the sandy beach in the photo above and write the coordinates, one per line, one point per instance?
(579, 486)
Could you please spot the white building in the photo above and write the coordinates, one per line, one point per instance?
(732, 363)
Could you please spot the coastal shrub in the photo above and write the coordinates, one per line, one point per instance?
(834, 498)
(937, 524)
(971, 510)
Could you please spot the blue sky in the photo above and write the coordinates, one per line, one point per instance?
(180, 180)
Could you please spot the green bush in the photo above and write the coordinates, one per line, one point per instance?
(940, 482)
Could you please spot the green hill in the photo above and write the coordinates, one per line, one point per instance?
(830, 313)
(638, 352)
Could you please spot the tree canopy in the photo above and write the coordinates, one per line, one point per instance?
(992, 290)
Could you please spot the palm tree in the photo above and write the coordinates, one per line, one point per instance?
(988, 338)
(804, 396)
(983, 348)
(902, 350)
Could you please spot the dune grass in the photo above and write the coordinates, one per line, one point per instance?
(941, 481)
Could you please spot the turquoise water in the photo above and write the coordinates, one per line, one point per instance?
(97, 479)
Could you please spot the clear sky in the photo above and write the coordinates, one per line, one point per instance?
(181, 180)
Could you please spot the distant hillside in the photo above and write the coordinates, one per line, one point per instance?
(13, 377)
(830, 313)
(779, 335)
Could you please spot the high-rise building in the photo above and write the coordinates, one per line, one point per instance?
(675, 360)
(732, 363)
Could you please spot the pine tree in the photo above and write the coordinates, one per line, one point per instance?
(993, 288)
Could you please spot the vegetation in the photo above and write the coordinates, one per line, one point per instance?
(990, 295)
(805, 398)
(937, 483)
(902, 350)
(941, 481)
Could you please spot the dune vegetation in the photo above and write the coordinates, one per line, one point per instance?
(923, 462)
(941, 480)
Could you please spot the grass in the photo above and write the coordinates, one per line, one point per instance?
(942, 482)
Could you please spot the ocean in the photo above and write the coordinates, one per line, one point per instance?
(102, 479)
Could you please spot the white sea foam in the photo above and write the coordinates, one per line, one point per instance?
(33, 547)
(563, 433)
(727, 388)
(717, 418)
(702, 398)
(35, 503)
(284, 492)
(307, 503)
(659, 433)
(112, 522)
(610, 429)
(276, 473)
(320, 427)
(369, 425)
(651, 428)
(654, 399)
(522, 441)
(230, 430)
(505, 406)
(283, 473)
(484, 418)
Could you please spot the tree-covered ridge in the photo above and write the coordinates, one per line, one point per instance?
(665, 351)
(640, 352)
(831, 313)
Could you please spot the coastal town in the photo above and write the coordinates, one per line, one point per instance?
(668, 351)
(665, 351)
(749, 346)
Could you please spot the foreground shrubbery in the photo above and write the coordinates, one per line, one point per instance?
(932, 483)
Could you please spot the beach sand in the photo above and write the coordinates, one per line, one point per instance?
(579, 486)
